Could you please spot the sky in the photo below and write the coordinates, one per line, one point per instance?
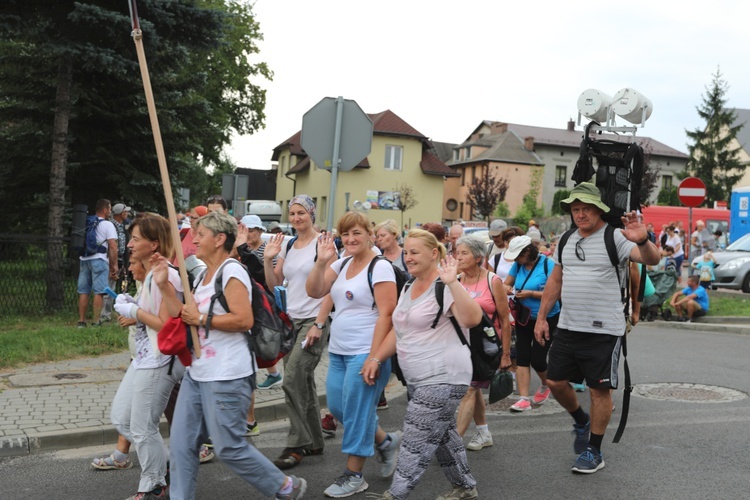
(444, 67)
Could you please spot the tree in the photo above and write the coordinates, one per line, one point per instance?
(406, 200)
(650, 177)
(73, 120)
(529, 208)
(559, 196)
(712, 157)
(485, 192)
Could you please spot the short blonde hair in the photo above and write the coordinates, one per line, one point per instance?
(218, 223)
(429, 240)
(389, 225)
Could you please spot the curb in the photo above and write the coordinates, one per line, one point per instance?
(698, 326)
(32, 442)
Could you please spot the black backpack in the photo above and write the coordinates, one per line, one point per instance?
(483, 364)
(619, 171)
(401, 277)
(272, 334)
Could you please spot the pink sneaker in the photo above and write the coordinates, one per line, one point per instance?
(541, 396)
(522, 405)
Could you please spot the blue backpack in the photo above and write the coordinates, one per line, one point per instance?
(90, 246)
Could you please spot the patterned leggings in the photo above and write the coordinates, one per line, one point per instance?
(430, 429)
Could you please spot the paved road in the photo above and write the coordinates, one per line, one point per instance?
(671, 449)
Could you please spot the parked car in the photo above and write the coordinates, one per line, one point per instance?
(733, 266)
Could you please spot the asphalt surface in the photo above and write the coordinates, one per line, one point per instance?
(691, 442)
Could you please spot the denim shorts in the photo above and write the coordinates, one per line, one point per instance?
(94, 274)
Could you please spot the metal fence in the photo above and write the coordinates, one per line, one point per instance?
(37, 275)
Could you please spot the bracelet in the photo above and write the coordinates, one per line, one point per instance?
(643, 243)
(200, 320)
(376, 360)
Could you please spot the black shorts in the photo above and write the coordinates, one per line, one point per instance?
(576, 356)
(698, 313)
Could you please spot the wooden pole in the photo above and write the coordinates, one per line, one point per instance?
(162, 159)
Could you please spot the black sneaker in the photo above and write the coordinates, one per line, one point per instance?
(581, 440)
(590, 461)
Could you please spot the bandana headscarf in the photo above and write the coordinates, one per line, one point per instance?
(305, 202)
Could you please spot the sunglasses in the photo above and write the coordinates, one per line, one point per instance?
(579, 250)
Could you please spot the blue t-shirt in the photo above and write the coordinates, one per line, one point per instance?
(701, 297)
(535, 283)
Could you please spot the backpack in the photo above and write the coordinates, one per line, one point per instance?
(90, 245)
(619, 171)
(609, 243)
(485, 347)
(401, 277)
(272, 335)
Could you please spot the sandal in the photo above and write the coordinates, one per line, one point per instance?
(288, 459)
(206, 454)
(109, 463)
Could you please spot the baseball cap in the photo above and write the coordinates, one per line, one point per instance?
(497, 226)
(585, 192)
(516, 246)
(252, 222)
(120, 208)
(532, 222)
(274, 225)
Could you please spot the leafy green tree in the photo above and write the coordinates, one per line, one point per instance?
(668, 196)
(406, 199)
(73, 118)
(712, 157)
(559, 196)
(529, 208)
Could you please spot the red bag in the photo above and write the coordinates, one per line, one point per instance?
(173, 340)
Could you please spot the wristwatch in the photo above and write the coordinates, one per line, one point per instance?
(319, 326)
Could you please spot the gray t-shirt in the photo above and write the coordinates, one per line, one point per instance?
(591, 300)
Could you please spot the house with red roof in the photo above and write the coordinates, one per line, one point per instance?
(400, 156)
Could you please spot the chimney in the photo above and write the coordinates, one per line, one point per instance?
(499, 128)
(571, 125)
(528, 143)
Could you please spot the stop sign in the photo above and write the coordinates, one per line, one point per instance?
(692, 192)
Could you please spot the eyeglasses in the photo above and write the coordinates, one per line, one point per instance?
(215, 199)
(579, 250)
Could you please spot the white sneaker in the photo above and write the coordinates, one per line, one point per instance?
(481, 439)
(389, 456)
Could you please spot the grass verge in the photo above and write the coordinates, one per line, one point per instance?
(30, 340)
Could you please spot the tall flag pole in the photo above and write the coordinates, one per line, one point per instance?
(138, 39)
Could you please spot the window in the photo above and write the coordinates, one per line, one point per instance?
(393, 157)
(461, 210)
(473, 174)
(463, 176)
(561, 173)
(468, 153)
(666, 182)
(323, 211)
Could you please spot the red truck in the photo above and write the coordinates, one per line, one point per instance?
(659, 215)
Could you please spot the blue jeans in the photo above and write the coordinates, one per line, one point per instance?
(217, 409)
(353, 402)
(93, 275)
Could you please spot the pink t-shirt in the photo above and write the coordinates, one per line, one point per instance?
(482, 294)
(426, 355)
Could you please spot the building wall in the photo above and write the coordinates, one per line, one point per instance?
(315, 182)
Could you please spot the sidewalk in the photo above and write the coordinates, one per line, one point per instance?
(66, 404)
(62, 405)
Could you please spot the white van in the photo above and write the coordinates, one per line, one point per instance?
(267, 210)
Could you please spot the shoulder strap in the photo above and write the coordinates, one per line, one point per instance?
(439, 289)
(497, 259)
(561, 244)
(219, 293)
(530, 273)
(290, 243)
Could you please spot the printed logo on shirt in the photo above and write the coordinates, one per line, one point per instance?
(598, 324)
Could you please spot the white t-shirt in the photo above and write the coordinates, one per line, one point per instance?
(503, 265)
(104, 231)
(224, 355)
(430, 356)
(146, 357)
(297, 266)
(354, 319)
(675, 241)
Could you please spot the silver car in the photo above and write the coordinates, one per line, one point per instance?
(733, 266)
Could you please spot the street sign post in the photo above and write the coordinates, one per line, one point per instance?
(337, 135)
(692, 193)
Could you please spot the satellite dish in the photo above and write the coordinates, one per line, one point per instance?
(366, 206)
(357, 205)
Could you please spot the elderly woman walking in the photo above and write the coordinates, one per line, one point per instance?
(436, 365)
(217, 387)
